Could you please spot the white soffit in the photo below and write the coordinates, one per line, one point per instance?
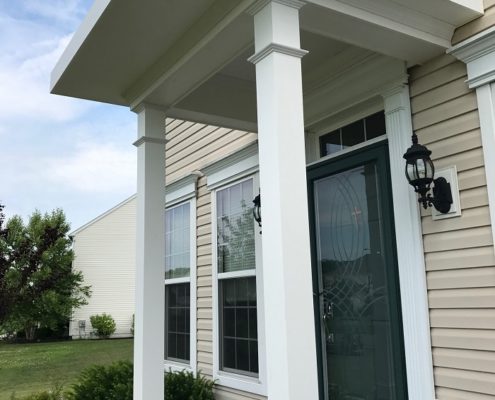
(120, 42)
(409, 30)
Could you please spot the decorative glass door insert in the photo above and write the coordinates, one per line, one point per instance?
(356, 279)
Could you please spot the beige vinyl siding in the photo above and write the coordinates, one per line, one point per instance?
(459, 255)
(472, 28)
(105, 252)
(189, 148)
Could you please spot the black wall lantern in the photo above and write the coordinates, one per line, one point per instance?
(420, 173)
(257, 209)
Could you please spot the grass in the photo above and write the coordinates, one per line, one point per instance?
(27, 368)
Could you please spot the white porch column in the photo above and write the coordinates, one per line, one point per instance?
(410, 255)
(478, 52)
(150, 256)
(287, 278)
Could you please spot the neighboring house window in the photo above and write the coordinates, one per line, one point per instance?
(179, 265)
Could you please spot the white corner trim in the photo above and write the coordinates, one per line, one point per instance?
(478, 52)
(181, 190)
(277, 48)
(232, 167)
(486, 106)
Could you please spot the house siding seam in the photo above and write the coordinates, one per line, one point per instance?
(108, 267)
(486, 21)
(190, 147)
(459, 255)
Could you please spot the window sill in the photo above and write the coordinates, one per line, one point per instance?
(176, 366)
(240, 382)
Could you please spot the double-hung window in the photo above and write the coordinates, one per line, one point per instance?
(179, 285)
(237, 253)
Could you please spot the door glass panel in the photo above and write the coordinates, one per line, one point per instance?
(358, 353)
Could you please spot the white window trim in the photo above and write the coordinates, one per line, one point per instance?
(185, 191)
(246, 383)
(233, 167)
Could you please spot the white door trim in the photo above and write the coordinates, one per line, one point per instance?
(410, 254)
(409, 243)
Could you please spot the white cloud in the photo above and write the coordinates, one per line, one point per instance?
(95, 168)
(28, 52)
(69, 11)
(56, 151)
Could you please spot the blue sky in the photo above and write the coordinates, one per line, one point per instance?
(56, 152)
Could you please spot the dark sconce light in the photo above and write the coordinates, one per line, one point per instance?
(420, 173)
(257, 209)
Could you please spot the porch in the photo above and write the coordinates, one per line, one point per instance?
(287, 70)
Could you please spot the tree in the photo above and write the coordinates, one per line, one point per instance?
(38, 288)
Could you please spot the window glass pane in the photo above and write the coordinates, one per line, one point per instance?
(177, 325)
(375, 125)
(353, 134)
(235, 228)
(330, 143)
(177, 241)
(238, 326)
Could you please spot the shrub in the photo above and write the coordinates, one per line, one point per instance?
(104, 325)
(112, 382)
(54, 394)
(184, 385)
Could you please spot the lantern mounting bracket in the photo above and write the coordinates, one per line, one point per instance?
(442, 196)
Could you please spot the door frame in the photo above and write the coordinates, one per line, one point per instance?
(378, 153)
(409, 239)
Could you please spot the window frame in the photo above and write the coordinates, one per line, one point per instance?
(232, 379)
(176, 365)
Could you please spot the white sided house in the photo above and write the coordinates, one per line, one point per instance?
(105, 252)
(350, 289)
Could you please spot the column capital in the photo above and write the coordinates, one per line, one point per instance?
(396, 95)
(276, 48)
(143, 106)
(478, 52)
(394, 87)
(147, 139)
(258, 5)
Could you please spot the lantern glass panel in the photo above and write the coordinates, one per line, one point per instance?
(430, 169)
(421, 168)
(410, 172)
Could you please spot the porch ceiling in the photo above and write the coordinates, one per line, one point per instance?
(189, 56)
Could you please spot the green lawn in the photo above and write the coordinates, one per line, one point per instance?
(27, 368)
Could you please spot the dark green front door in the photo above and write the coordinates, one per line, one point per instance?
(357, 299)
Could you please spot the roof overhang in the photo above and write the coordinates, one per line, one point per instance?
(175, 54)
